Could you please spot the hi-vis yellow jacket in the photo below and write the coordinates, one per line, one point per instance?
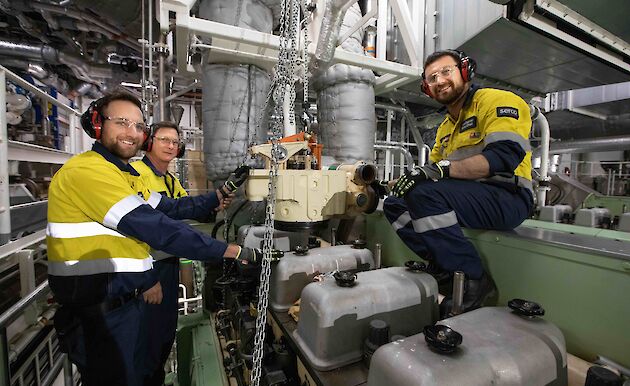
(87, 198)
(497, 124)
(101, 216)
(165, 184)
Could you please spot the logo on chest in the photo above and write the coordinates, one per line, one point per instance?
(468, 124)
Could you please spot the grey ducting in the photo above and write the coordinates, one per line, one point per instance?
(233, 94)
(83, 70)
(345, 103)
(39, 72)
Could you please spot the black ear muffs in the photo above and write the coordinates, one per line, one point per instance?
(92, 120)
(147, 145)
(467, 67)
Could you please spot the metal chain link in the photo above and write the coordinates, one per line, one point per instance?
(284, 80)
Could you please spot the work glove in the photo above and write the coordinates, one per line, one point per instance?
(380, 188)
(255, 255)
(236, 179)
(412, 177)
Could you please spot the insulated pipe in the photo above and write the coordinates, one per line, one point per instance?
(5, 214)
(345, 101)
(539, 120)
(234, 94)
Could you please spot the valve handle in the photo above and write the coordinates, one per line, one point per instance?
(442, 339)
(526, 307)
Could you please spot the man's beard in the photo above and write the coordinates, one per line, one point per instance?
(119, 151)
(452, 96)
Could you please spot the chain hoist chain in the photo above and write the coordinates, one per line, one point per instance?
(283, 80)
(305, 55)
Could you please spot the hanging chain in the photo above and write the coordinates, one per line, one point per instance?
(284, 80)
(305, 55)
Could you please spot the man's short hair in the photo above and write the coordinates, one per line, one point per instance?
(439, 54)
(116, 96)
(164, 125)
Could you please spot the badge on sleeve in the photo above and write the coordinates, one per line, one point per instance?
(505, 111)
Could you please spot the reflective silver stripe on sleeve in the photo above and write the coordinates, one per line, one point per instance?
(91, 267)
(507, 136)
(154, 199)
(466, 152)
(438, 221)
(120, 209)
(401, 221)
(60, 230)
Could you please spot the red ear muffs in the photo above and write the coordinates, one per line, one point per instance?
(92, 121)
(96, 124)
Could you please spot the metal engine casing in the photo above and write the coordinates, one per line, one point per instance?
(294, 272)
(334, 321)
(499, 347)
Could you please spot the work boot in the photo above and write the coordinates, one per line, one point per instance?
(444, 278)
(476, 292)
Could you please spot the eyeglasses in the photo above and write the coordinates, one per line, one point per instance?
(124, 123)
(444, 72)
(167, 141)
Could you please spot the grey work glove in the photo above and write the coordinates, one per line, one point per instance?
(255, 255)
(236, 179)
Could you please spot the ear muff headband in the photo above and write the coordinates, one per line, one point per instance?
(466, 65)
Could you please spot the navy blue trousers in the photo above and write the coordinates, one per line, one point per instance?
(430, 217)
(160, 321)
(107, 348)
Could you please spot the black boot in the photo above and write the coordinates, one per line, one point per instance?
(476, 292)
(444, 278)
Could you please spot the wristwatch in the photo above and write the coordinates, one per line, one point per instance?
(445, 165)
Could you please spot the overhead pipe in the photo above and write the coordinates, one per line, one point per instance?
(80, 68)
(91, 20)
(539, 121)
(39, 72)
(591, 145)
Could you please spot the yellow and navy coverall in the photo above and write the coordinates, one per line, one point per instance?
(496, 124)
(102, 222)
(160, 320)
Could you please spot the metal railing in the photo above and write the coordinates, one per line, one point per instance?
(7, 75)
(615, 175)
